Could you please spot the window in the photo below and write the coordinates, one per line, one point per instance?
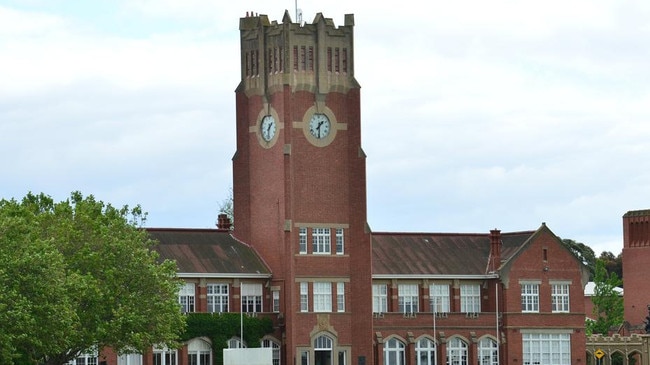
(487, 352)
(343, 357)
(217, 298)
(470, 298)
(425, 352)
(199, 352)
(408, 298)
(340, 297)
(186, 298)
(339, 241)
(529, 297)
(303, 58)
(344, 60)
(129, 359)
(323, 350)
(379, 298)
(336, 60)
(85, 359)
(439, 298)
(295, 58)
(304, 358)
(311, 58)
(321, 240)
(456, 352)
(164, 356)
(394, 352)
(322, 297)
(251, 298)
(329, 59)
(276, 300)
(302, 240)
(235, 343)
(276, 350)
(560, 297)
(304, 297)
(546, 348)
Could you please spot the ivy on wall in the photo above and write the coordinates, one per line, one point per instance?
(221, 327)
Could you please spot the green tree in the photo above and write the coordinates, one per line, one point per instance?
(608, 304)
(613, 264)
(583, 252)
(81, 275)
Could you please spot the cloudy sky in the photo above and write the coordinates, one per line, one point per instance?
(476, 115)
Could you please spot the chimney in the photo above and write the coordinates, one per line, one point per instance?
(223, 222)
(495, 249)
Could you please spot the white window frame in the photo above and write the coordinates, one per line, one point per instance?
(304, 296)
(186, 297)
(425, 352)
(456, 351)
(560, 297)
(470, 298)
(164, 356)
(340, 297)
(439, 298)
(394, 352)
(129, 359)
(199, 352)
(302, 240)
(546, 348)
(251, 297)
(218, 297)
(379, 298)
(86, 358)
(322, 296)
(488, 353)
(529, 297)
(340, 242)
(321, 241)
(275, 296)
(275, 348)
(408, 298)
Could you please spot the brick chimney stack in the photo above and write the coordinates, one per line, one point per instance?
(495, 249)
(223, 222)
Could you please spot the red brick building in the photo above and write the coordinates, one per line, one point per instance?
(636, 261)
(303, 252)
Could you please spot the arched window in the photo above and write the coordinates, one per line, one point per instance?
(276, 350)
(199, 352)
(456, 352)
(487, 352)
(235, 343)
(425, 352)
(323, 350)
(394, 352)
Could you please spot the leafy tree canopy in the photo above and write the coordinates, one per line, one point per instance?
(583, 252)
(608, 304)
(80, 275)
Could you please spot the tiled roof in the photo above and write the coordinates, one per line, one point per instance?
(208, 252)
(438, 254)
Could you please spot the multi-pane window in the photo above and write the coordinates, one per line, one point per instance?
(276, 300)
(344, 60)
(529, 297)
(340, 297)
(199, 352)
(217, 298)
(321, 240)
(303, 58)
(322, 297)
(343, 357)
(164, 356)
(560, 297)
(276, 350)
(408, 298)
(470, 298)
(84, 359)
(302, 240)
(394, 352)
(456, 352)
(425, 352)
(379, 298)
(251, 298)
(236, 343)
(546, 348)
(304, 297)
(129, 359)
(439, 298)
(339, 241)
(487, 352)
(186, 297)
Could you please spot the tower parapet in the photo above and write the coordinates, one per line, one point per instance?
(316, 57)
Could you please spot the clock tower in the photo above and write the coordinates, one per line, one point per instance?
(299, 185)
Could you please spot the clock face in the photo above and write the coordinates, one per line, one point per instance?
(319, 126)
(268, 128)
